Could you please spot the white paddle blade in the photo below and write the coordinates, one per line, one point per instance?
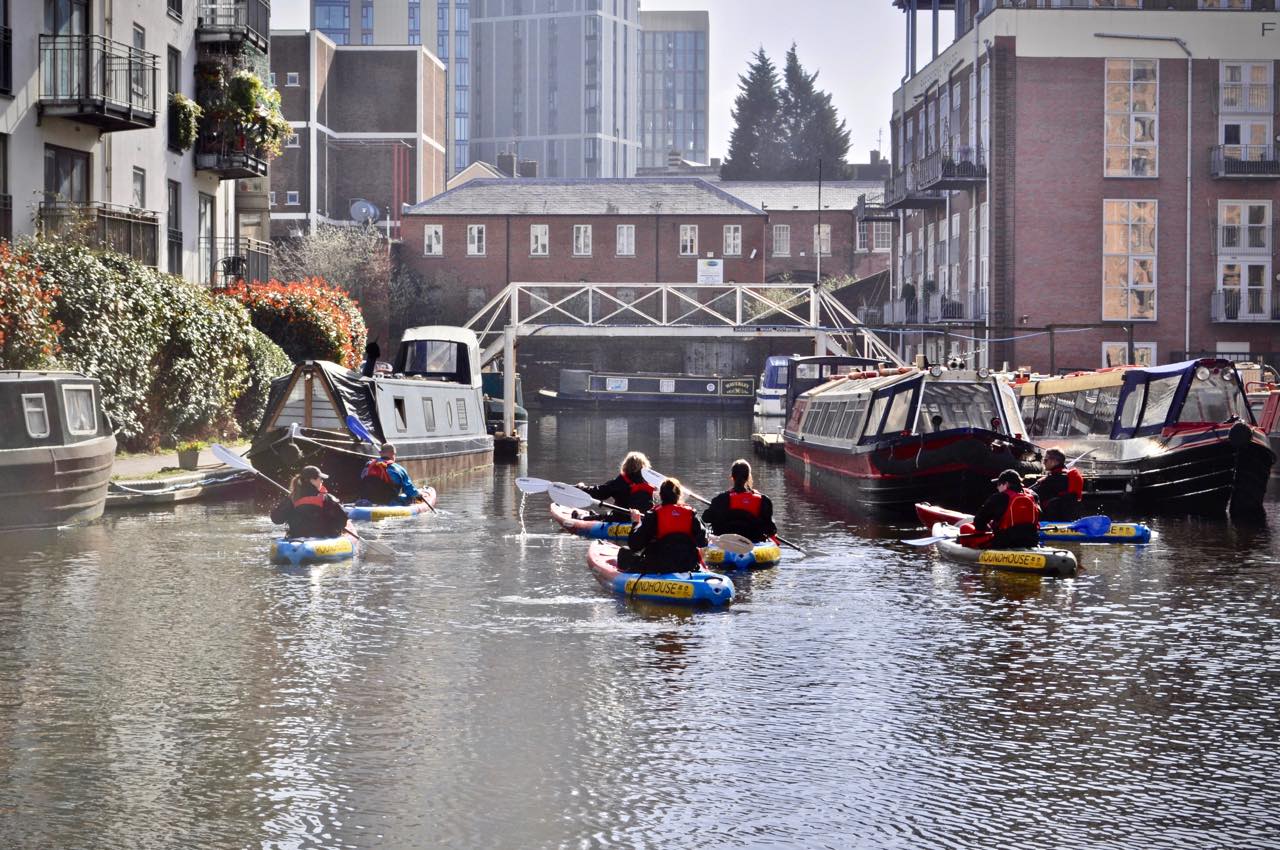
(572, 497)
(924, 541)
(230, 458)
(652, 477)
(532, 486)
(735, 543)
(373, 547)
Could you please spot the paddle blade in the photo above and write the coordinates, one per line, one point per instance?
(924, 541)
(230, 458)
(532, 485)
(1094, 526)
(735, 543)
(652, 477)
(357, 429)
(572, 497)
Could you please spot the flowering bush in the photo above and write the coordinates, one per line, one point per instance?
(28, 334)
(309, 319)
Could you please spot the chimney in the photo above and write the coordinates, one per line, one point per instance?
(507, 164)
(875, 157)
(528, 168)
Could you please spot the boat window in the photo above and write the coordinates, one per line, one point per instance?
(1132, 405)
(899, 412)
(852, 418)
(873, 420)
(1012, 416)
(79, 404)
(1104, 411)
(806, 371)
(37, 416)
(959, 404)
(462, 413)
(1035, 426)
(1215, 398)
(775, 375)
(429, 413)
(402, 418)
(431, 357)
(1160, 393)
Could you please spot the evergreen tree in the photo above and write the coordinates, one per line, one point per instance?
(811, 127)
(756, 151)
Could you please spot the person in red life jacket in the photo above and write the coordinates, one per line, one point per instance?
(1009, 519)
(741, 510)
(1059, 489)
(629, 490)
(310, 509)
(667, 537)
(386, 482)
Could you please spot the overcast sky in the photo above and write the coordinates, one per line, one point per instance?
(855, 45)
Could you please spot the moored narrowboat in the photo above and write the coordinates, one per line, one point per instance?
(586, 388)
(771, 393)
(56, 452)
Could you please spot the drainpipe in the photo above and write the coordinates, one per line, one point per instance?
(1186, 330)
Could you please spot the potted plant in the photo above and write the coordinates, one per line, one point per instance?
(189, 454)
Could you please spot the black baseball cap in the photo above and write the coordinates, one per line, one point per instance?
(1009, 476)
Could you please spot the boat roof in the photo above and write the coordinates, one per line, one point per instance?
(843, 385)
(1112, 377)
(443, 333)
(32, 374)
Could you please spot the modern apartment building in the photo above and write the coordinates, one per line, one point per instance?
(556, 81)
(88, 135)
(1105, 164)
(674, 89)
(355, 157)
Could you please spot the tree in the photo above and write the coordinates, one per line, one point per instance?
(811, 126)
(755, 147)
(355, 259)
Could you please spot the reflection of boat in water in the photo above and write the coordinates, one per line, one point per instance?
(1179, 437)
(583, 387)
(431, 408)
(888, 438)
(56, 452)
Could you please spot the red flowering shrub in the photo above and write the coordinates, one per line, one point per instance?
(28, 334)
(309, 319)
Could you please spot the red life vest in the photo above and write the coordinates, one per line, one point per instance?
(377, 469)
(674, 519)
(1075, 483)
(747, 501)
(641, 487)
(316, 501)
(1021, 510)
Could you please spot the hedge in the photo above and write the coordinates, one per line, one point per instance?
(28, 334)
(309, 319)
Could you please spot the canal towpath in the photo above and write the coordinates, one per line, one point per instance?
(134, 467)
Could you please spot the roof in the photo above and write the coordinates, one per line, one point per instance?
(442, 333)
(778, 195)
(586, 196)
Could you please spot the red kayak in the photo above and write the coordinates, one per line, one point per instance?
(930, 513)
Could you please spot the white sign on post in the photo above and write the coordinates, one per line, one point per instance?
(710, 271)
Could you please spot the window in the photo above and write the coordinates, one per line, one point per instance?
(292, 141)
(822, 239)
(433, 240)
(1245, 87)
(1129, 260)
(883, 232)
(402, 416)
(475, 240)
(173, 69)
(688, 240)
(1132, 100)
(291, 78)
(782, 240)
(1242, 5)
(78, 400)
(1244, 227)
(175, 226)
(462, 413)
(582, 240)
(733, 240)
(1117, 354)
(539, 244)
(139, 188)
(271, 199)
(33, 410)
(429, 413)
(204, 231)
(626, 240)
(291, 198)
(138, 76)
(175, 8)
(66, 175)
(863, 239)
(271, 79)
(1244, 290)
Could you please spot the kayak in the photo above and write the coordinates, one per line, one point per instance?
(761, 557)
(1120, 532)
(594, 529)
(373, 513)
(1037, 561)
(684, 588)
(312, 550)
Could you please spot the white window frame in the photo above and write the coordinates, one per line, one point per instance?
(292, 198)
(44, 411)
(733, 240)
(433, 236)
(582, 240)
(93, 406)
(862, 241)
(271, 79)
(882, 236)
(1242, 246)
(782, 240)
(476, 242)
(1130, 117)
(688, 240)
(539, 240)
(1243, 313)
(291, 78)
(1131, 258)
(1253, 96)
(1225, 5)
(822, 240)
(271, 199)
(292, 141)
(1149, 347)
(625, 240)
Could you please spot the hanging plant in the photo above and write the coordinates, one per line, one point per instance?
(184, 120)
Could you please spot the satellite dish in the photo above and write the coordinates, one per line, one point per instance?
(363, 212)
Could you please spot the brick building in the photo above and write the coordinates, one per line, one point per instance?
(1041, 176)
(387, 150)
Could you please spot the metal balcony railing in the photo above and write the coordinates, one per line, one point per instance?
(1246, 98)
(901, 311)
(1245, 161)
(235, 21)
(903, 191)
(227, 150)
(978, 305)
(127, 230)
(1251, 305)
(1251, 239)
(6, 217)
(946, 168)
(97, 81)
(235, 258)
(940, 307)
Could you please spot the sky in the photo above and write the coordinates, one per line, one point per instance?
(856, 46)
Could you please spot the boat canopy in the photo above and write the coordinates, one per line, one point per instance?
(440, 352)
(320, 394)
(774, 376)
(1194, 391)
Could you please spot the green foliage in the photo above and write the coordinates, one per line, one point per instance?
(28, 334)
(353, 259)
(309, 319)
(755, 149)
(240, 111)
(184, 120)
(266, 361)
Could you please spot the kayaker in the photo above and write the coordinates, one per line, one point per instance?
(1009, 519)
(310, 509)
(668, 537)
(386, 482)
(1059, 490)
(629, 490)
(741, 510)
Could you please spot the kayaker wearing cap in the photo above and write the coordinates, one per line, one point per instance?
(1009, 519)
(1059, 489)
(741, 510)
(309, 509)
(629, 490)
(668, 537)
(386, 482)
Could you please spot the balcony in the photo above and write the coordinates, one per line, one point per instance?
(126, 230)
(234, 22)
(1244, 162)
(94, 80)
(1254, 305)
(1242, 239)
(939, 307)
(227, 151)
(1245, 98)
(235, 258)
(903, 192)
(977, 305)
(900, 311)
(6, 217)
(962, 168)
(873, 211)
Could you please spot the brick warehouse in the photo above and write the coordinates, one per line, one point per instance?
(1040, 177)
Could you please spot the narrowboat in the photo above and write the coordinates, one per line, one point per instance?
(1269, 422)
(493, 399)
(56, 464)
(884, 439)
(797, 375)
(771, 394)
(431, 407)
(1178, 438)
(583, 387)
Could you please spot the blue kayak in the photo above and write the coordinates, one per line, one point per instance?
(312, 550)
(684, 588)
(593, 529)
(763, 556)
(1120, 532)
(374, 513)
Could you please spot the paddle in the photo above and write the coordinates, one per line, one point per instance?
(357, 429)
(1093, 526)
(655, 479)
(230, 458)
(532, 486)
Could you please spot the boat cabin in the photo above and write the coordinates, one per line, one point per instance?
(805, 373)
(49, 409)
(439, 353)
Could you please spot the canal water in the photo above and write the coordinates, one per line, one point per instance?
(162, 686)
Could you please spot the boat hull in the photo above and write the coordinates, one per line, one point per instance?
(700, 588)
(1039, 561)
(763, 556)
(591, 529)
(50, 486)
(312, 550)
(376, 513)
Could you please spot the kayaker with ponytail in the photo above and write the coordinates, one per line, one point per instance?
(668, 537)
(629, 490)
(741, 510)
(386, 482)
(1009, 519)
(1059, 489)
(310, 509)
